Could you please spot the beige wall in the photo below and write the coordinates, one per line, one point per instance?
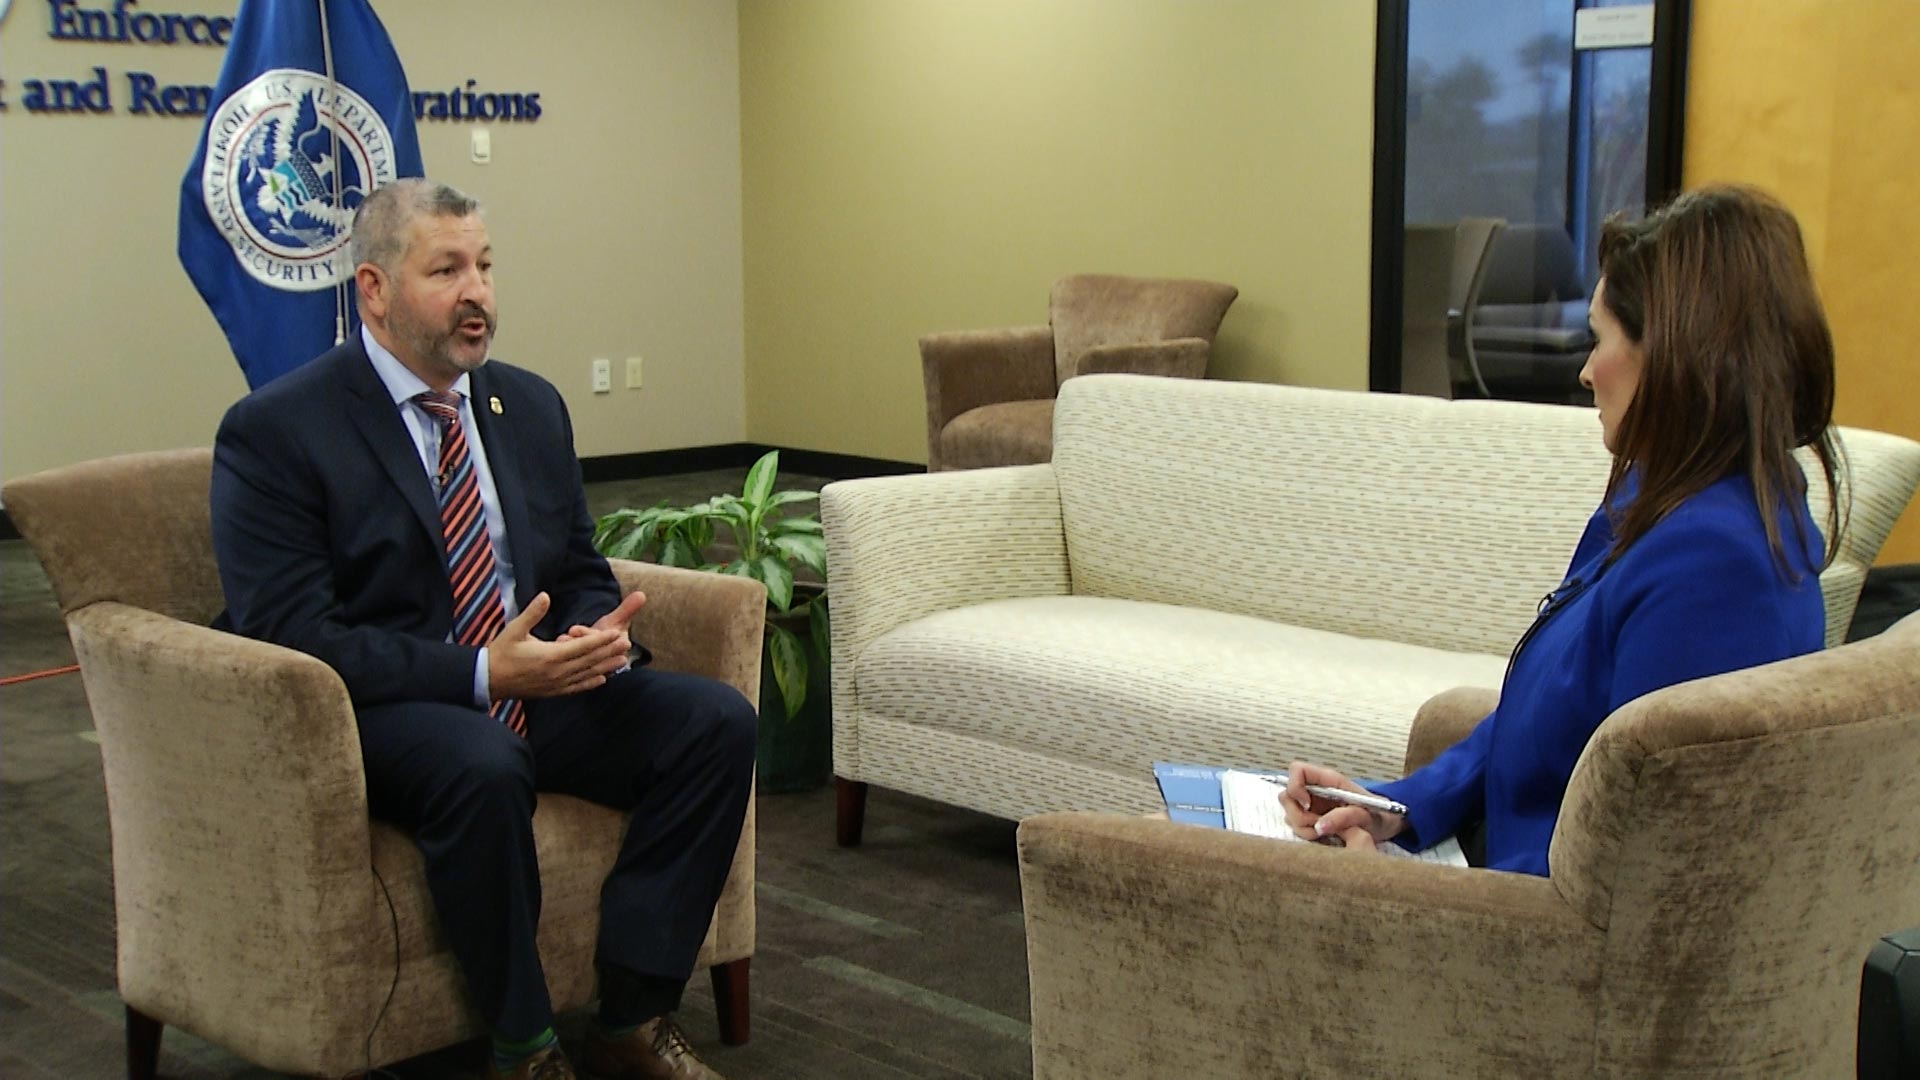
(616, 219)
(909, 165)
(1819, 102)
(920, 165)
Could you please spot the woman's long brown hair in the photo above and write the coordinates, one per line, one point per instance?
(1715, 289)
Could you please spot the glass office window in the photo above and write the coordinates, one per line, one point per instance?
(1515, 145)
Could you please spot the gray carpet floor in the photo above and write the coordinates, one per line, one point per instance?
(904, 957)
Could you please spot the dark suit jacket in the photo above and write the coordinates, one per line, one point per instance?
(328, 536)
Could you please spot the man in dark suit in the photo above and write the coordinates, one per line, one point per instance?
(411, 513)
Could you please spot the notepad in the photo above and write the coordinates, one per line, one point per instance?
(1250, 803)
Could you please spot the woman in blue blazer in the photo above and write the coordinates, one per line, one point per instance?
(1712, 364)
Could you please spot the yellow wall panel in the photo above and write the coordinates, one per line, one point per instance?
(1818, 101)
(921, 165)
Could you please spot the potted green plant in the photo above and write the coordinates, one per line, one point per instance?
(750, 535)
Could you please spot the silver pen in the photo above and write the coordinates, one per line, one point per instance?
(1342, 795)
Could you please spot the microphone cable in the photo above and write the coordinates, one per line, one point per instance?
(393, 915)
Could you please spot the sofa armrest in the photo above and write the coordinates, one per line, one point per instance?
(699, 623)
(1182, 358)
(900, 548)
(969, 368)
(1157, 949)
(1881, 473)
(1445, 719)
(238, 808)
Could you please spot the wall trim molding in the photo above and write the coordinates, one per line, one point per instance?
(737, 456)
(840, 466)
(635, 466)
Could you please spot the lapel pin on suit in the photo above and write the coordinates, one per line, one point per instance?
(493, 402)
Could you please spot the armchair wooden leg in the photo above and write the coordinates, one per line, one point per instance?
(850, 811)
(730, 1001)
(143, 1045)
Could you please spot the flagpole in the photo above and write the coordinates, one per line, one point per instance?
(333, 174)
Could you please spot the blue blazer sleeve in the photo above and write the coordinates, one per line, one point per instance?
(1447, 792)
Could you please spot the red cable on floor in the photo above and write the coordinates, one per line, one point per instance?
(32, 675)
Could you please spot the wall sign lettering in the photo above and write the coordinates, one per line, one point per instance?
(97, 92)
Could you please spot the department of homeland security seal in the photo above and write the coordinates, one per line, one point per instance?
(270, 177)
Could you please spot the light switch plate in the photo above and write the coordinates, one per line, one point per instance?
(482, 146)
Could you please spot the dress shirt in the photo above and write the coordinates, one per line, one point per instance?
(403, 385)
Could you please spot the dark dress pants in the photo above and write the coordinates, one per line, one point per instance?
(675, 749)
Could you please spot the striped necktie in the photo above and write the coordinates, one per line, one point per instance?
(477, 613)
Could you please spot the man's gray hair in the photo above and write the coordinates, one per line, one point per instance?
(380, 226)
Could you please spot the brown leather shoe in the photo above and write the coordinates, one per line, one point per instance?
(655, 1051)
(548, 1064)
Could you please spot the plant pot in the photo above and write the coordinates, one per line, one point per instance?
(795, 754)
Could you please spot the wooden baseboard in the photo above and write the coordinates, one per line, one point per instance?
(737, 456)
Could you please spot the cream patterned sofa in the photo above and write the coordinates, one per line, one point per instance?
(1215, 572)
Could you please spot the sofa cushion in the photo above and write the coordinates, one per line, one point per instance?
(1005, 433)
(1376, 515)
(1116, 685)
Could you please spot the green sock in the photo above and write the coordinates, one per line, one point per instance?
(508, 1054)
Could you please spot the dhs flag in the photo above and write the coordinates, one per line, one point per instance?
(287, 156)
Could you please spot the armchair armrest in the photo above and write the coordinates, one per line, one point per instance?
(238, 809)
(713, 625)
(699, 623)
(1181, 358)
(1157, 949)
(969, 368)
(1445, 719)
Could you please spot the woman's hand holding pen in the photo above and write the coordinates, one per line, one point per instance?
(1326, 821)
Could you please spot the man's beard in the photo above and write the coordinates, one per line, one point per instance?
(437, 348)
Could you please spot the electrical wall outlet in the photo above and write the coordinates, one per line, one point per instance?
(602, 376)
(633, 373)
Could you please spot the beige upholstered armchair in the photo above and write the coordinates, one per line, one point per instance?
(251, 890)
(990, 392)
(1727, 853)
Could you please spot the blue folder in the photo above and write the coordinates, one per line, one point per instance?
(1192, 793)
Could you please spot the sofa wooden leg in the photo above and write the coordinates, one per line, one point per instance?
(851, 811)
(730, 1001)
(143, 1045)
